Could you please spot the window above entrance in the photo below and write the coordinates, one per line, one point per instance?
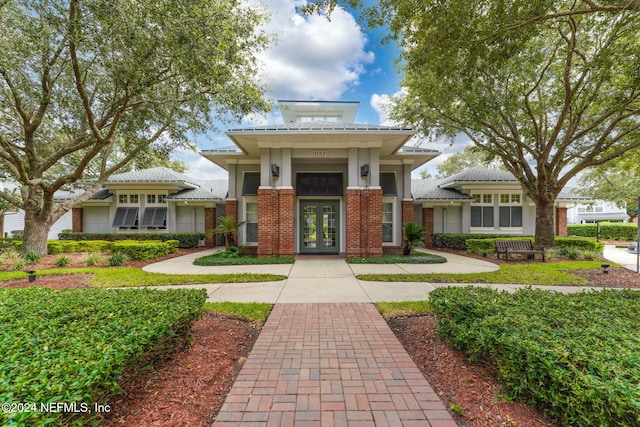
(319, 184)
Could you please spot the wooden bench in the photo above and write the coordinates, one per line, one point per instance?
(523, 247)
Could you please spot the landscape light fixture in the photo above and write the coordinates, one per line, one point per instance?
(605, 268)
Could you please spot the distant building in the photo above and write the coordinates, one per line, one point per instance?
(599, 211)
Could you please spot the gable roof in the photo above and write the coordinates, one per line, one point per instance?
(429, 189)
(209, 190)
(479, 175)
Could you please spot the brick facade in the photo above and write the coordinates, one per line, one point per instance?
(231, 208)
(364, 222)
(407, 212)
(276, 219)
(209, 224)
(561, 221)
(427, 224)
(76, 220)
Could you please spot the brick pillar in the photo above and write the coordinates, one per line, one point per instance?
(427, 224)
(364, 223)
(561, 221)
(286, 229)
(76, 220)
(407, 212)
(231, 208)
(267, 223)
(209, 224)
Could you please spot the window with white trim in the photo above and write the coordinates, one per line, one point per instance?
(387, 222)
(251, 224)
(482, 210)
(510, 210)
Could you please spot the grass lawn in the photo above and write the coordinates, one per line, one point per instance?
(255, 311)
(113, 277)
(403, 308)
(398, 258)
(548, 273)
(222, 259)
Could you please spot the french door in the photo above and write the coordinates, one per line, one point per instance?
(319, 226)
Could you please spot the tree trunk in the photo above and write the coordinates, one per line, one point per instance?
(36, 231)
(37, 219)
(545, 231)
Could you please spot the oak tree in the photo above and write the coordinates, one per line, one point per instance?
(87, 86)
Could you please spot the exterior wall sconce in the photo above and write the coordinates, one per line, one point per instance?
(275, 170)
(364, 170)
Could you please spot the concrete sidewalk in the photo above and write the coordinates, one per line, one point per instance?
(330, 279)
(621, 256)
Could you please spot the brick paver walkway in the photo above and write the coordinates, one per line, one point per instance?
(330, 364)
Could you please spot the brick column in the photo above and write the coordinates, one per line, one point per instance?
(231, 208)
(209, 224)
(561, 221)
(364, 223)
(353, 247)
(373, 223)
(427, 224)
(76, 220)
(286, 230)
(267, 223)
(407, 212)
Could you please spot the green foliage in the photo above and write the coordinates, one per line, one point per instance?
(31, 258)
(62, 261)
(624, 231)
(540, 273)
(144, 250)
(403, 308)
(92, 259)
(585, 244)
(70, 246)
(413, 235)
(229, 229)
(487, 245)
(458, 241)
(222, 258)
(468, 158)
(254, 311)
(576, 354)
(186, 240)
(117, 259)
(17, 264)
(98, 85)
(72, 345)
(415, 258)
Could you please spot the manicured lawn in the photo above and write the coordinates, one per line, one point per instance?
(548, 273)
(255, 311)
(403, 308)
(114, 277)
(417, 258)
(223, 259)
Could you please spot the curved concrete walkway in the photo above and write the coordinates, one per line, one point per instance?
(621, 256)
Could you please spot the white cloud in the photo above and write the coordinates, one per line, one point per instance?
(383, 104)
(313, 58)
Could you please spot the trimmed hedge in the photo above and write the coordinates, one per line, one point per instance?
(144, 250)
(68, 246)
(576, 354)
(72, 346)
(459, 240)
(608, 230)
(489, 246)
(186, 240)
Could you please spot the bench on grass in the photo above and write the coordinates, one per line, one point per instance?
(511, 247)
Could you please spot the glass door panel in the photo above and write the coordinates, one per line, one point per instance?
(319, 226)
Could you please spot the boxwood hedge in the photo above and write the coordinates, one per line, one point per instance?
(608, 230)
(577, 355)
(489, 246)
(186, 240)
(71, 346)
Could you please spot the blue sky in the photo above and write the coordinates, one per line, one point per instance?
(316, 59)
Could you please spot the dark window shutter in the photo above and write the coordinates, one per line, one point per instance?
(388, 184)
(516, 216)
(487, 216)
(505, 216)
(319, 184)
(250, 183)
(476, 216)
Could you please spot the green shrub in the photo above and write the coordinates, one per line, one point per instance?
(489, 245)
(72, 346)
(62, 261)
(17, 264)
(91, 259)
(31, 258)
(585, 244)
(186, 240)
(576, 354)
(117, 259)
(608, 230)
(458, 241)
(144, 250)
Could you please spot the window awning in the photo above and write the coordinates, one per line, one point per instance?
(154, 217)
(125, 217)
